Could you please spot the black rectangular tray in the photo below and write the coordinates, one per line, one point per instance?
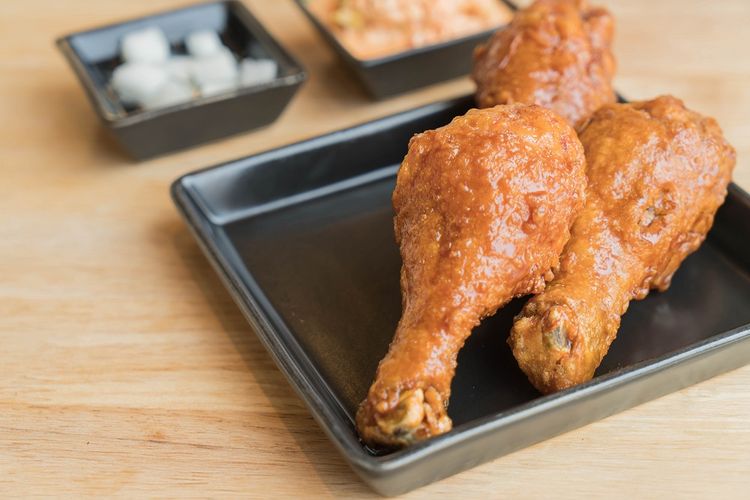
(303, 239)
(411, 69)
(94, 54)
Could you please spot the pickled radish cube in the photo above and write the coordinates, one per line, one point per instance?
(211, 88)
(136, 82)
(203, 43)
(148, 45)
(178, 68)
(257, 71)
(171, 93)
(218, 67)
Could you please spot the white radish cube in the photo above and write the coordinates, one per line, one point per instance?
(178, 68)
(218, 67)
(257, 71)
(170, 94)
(136, 82)
(203, 43)
(210, 88)
(148, 45)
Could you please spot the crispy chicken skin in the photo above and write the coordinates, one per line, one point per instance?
(657, 174)
(483, 209)
(555, 53)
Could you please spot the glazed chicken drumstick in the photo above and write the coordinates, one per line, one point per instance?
(657, 174)
(555, 53)
(483, 209)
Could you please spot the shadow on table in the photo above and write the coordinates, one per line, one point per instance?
(331, 468)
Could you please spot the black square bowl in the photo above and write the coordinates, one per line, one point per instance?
(411, 69)
(94, 55)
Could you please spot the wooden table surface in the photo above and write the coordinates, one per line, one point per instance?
(126, 368)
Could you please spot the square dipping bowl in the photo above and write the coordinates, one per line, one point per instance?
(144, 133)
(410, 69)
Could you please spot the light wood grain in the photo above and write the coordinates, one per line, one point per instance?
(126, 368)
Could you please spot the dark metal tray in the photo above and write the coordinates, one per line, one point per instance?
(303, 238)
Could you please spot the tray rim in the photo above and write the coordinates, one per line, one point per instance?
(368, 465)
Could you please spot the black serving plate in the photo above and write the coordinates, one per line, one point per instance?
(303, 239)
(94, 54)
(387, 76)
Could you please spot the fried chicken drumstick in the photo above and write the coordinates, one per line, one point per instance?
(657, 174)
(555, 53)
(483, 209)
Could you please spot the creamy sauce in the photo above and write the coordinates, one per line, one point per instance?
(376, 28)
